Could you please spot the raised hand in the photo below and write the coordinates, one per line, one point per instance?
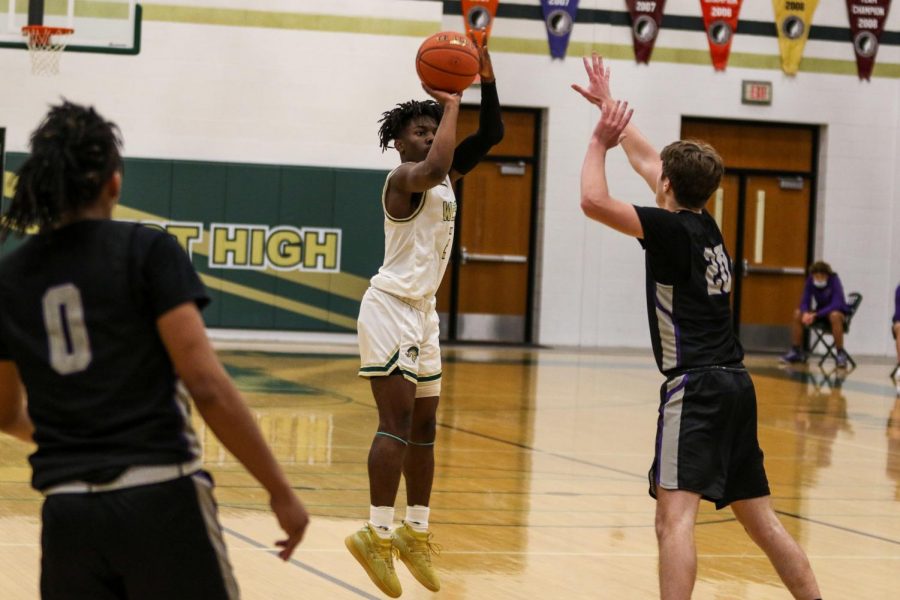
(443, 98)
(597, 91)
(486, 69)
(613, 121)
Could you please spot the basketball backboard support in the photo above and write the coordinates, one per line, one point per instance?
(101, 26)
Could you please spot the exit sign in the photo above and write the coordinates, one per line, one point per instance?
(756, 92)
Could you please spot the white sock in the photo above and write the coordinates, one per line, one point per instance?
(417, 517)
(382, 520)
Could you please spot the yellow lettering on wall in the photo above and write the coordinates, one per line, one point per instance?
(283, 248)
(258, 248)
(229, 246)
(186, 233)
(321, 244)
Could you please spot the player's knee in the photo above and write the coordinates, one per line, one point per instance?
(424, 430)
(397, 422)
(765, 532)
(762, 528)
(836, 317)
(671, 524)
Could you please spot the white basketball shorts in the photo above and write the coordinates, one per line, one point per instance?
(394, 335)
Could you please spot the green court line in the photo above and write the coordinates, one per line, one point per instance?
(283, 20)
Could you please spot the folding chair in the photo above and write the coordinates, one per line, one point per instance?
(822, 328)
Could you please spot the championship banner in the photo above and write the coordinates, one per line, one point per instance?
(479, 17)
(559, 17)
(867, 19)
(720, 18)
(646, 19)
(792, 19)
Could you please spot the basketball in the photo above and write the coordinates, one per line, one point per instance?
(447, 61)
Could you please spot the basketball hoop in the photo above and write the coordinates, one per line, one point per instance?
(45, 46)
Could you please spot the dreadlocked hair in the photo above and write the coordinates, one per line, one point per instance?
(74, 153)
(393, 121)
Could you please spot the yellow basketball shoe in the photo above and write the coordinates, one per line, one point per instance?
(415, 550)
(376, 557)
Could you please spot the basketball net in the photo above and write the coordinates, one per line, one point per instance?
(45, 47)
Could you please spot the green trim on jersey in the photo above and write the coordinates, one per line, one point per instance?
(410, 217)
(427, 378)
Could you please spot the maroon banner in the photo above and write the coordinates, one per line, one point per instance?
(720, 18)
(646, 19)
(867, 19)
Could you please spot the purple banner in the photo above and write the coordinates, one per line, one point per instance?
(559, 18)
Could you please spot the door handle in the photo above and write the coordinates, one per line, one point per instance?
(491, 258)
(747, 270)
(516, 168)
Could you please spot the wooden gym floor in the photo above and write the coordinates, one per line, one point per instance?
(541, 480)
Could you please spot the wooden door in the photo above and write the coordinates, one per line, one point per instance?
(766, 199)
(486, 293)
(724, 206)
(776, 239)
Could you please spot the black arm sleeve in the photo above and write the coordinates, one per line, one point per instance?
(490, 131)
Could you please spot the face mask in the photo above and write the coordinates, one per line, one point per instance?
(820, 283)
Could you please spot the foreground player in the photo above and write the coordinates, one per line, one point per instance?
(398, 323)
(96, 319)
(706, 445)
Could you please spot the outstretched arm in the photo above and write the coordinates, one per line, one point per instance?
(221, 406)
(490, 122)
(642, 156)
(596, 201)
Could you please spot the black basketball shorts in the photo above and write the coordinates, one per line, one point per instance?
(706, 437)
(152, 542)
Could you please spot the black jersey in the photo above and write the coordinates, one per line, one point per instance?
(78, 310)
(689, 281)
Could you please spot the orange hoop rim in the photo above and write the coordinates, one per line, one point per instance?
(43, 29)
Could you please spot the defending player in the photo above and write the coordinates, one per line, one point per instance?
(706, 444)
(96, 319)
(398, 323)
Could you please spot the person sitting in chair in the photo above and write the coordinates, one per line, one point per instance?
(823, 303)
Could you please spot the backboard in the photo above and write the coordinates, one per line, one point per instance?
(101, 26)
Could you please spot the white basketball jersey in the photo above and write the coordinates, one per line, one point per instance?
(417, 248)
